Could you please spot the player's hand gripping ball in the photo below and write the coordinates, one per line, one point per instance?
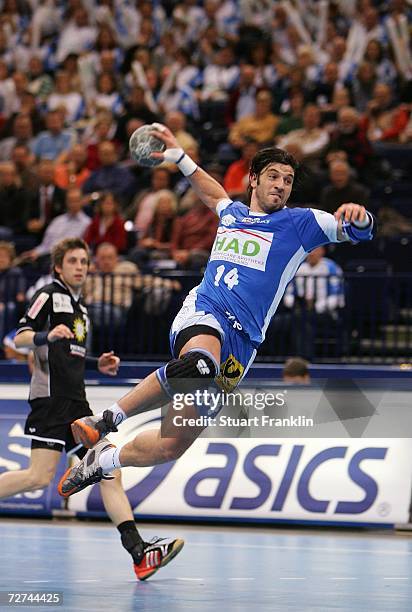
(142, 143)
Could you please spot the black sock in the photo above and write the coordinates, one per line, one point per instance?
(131, 540)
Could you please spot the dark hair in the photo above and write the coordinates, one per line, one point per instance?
(103, 195)
(296, 366)
(270, 155)
(63, 247)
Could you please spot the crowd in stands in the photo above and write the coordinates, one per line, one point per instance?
(330, 81)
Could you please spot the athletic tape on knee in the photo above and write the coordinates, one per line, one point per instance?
(194, 370)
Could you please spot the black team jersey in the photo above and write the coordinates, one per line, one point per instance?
(59, 367)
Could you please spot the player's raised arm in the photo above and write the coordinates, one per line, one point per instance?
(206, 187)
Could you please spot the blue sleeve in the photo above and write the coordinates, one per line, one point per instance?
(228, 207)
(314, 227)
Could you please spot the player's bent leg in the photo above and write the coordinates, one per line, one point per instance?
(153, 392)
(147, 395)
(40, 473)
(157, 446)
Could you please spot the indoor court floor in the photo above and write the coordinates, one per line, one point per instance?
(220, 568)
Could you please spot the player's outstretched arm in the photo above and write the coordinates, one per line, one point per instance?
(206, 187)
(31, 339)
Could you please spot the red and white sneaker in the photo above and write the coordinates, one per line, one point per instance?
(157, 553)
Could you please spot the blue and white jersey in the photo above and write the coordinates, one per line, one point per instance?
(253, 259)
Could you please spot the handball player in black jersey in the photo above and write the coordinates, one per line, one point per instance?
(55, 327)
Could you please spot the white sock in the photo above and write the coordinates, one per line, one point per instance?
(109, 460)
(119, 415)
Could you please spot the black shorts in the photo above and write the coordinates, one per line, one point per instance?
(48, 424)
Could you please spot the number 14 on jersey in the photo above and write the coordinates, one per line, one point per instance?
(231, 277)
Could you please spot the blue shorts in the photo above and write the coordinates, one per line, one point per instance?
(237, 353)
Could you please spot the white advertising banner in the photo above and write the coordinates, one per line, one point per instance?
(364, 480)
(344, 480)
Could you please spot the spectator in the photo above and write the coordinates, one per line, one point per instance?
(220, 76)
(102, 130)
(65, 99)
(296, 371)
(111, 176)
(324, 89)
(178, 91)
(144, 204)
(316, 295)
(135, 108)
(156, 242)
(236, 178)
(28, 106)
(342, 188)
(11, 287)
(350, 140)
(384, 121)
(22, 135)
(77, 35)
(292, 120)
(242, 98)
(47, 201)
(107, 225)
(110, 292)
(362, 85)
(384, 68)
(40, 83)
(107, 96)
(176, 122)
(72, 171)
(261, 126)
(73, 223)
(312, 138)
(55, 140)
(365, 27)
(193, 235)
(14, 203)
(318, 283)
(23, 159)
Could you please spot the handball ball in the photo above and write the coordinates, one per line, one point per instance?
(142, 143)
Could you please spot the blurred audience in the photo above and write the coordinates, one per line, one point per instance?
(73, 223)
(193, 235)
(107, 225)
(12, 284)
(342, 188)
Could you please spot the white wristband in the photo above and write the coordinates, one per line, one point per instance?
(177, 156)
(186, 165)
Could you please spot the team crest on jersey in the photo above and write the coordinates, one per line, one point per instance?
(62, 303)
(245, 247)
(79, 329)
(228, 220)
(231, 372)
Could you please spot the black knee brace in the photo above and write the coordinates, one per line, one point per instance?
(194, 370)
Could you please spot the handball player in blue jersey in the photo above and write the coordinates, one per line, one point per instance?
(257, 251)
